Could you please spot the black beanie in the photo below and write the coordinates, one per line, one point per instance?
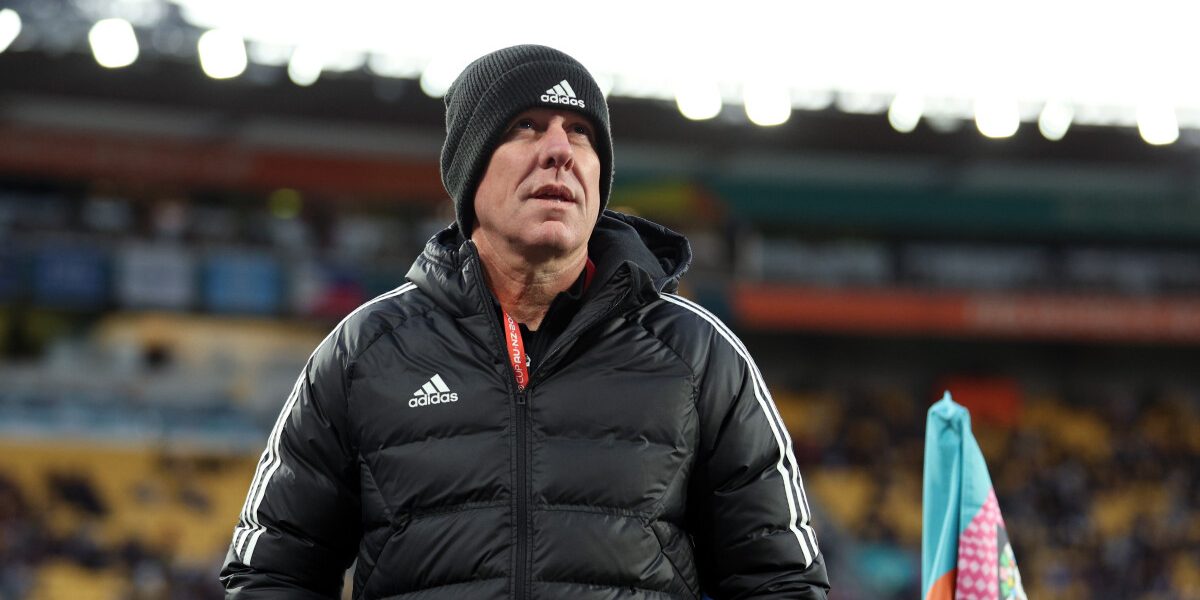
(491, 92)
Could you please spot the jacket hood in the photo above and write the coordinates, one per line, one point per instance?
(620, 239)
(631, 254)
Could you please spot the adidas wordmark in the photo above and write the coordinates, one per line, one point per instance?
(562, 93)
(433, 391)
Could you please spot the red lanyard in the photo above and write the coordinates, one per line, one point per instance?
(516, 351)
(516, 345)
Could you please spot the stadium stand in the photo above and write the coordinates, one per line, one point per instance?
(116, 394)
(115, 520)
(172, 248)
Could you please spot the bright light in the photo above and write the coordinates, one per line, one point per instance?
(767, 104)
(222, 54)
(1157, 124)
(856, 103)
(305, 66)
(698, 101)
(438, 75)
(113, 43)
(605, 82)
(390, 65)
(1080, 64)
(1055, 120)
(10, 27)
(905, 112)
(270, 54)
(997, 117)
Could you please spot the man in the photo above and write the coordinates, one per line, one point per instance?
(533, 415)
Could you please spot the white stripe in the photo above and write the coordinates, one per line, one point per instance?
(792, 486)
(761, 381)
(567, 86)
(266, 465)
(238, 532)
(441, 385)
(797, 480)
(253, 544)
(250, 526)
(263, 461)
(559, 91)
(428, 387)
(796, 491)
(267, 469)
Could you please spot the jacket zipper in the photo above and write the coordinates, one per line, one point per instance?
(521, 493)
(521, 576)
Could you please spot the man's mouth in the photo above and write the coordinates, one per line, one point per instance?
(557, 193)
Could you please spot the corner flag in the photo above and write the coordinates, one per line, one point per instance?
(965, 552)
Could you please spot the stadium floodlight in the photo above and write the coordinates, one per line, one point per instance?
(1076, 64)
(438, 75)
(767, 104)
(305, 66)
(1055, 119)
(605, 82)
(222, 53)
(10, 27)
(1157, 124)
(997, 117)
(386, 64)
(113, 43)
(698, 100)
(905, 112)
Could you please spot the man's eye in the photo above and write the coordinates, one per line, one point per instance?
(582, 129)
(524, 124)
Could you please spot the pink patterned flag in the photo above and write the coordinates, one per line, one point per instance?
(965, 552)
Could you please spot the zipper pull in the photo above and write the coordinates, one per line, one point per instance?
(521, 398)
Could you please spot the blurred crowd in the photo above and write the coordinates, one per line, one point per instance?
(1097, 488)
(63, 535)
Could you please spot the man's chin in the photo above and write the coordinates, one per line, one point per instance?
(553, 238)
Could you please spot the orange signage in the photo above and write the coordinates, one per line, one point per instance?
(219, 163)
(1018, 315)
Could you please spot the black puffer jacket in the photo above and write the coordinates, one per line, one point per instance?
(644, 460)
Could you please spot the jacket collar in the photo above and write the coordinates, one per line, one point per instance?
(635, 261)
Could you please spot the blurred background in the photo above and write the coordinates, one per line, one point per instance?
(886, 200)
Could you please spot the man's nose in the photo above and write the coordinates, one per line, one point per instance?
(556, 150)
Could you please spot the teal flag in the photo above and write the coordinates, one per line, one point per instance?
(965, 551)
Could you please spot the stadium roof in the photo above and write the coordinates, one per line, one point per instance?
(1001, 66)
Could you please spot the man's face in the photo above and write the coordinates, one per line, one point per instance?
(541, 190)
